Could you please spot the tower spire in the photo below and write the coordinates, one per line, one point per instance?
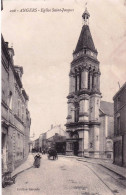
(86, 16)
(86, 5)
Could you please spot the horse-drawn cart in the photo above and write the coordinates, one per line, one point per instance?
(52, 153)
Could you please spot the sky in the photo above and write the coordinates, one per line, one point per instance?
(44, 42)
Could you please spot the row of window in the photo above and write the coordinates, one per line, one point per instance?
(19, 108)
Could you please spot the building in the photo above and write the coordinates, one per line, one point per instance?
(36, 145)
(120, 127)
(83, 123)
(54, 137)
(89, 120)
(44, 142)
(106, 115)
(30, 145)
(55, 130)
(40, 142)
(58, 142)
(15, 116)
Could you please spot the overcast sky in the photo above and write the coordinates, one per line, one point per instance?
(43, 45)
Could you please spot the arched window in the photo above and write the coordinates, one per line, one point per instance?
(79, 78)
(76, 116)
(10, 100)
(93, 81)
(88, 80)
(18, 107)
(75, 80)
(23, 113)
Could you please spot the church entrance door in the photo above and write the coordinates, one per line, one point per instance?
(76, 147)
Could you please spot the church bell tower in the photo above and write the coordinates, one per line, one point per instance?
(84, 96)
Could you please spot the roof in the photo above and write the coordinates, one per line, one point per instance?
(107, 108)
(122, 88)
(85, 40)
(25, 94)
(86, 12)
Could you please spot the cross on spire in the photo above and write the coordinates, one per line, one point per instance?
(85, 4)
(86, 15)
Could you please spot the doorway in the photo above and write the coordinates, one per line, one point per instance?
(76, 148)
(4, 152)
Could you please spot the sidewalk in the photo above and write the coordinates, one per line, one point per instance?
(121, 171)
(26, 165)
(108, 164)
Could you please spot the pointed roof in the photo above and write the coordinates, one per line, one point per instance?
(119, 91)
(107, 108)
(86, 13)
(85, 40)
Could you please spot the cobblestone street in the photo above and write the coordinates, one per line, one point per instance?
(66, 176)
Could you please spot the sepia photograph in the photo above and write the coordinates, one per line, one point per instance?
(63, 97)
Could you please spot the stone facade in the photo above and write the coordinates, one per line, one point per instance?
(36, 146)
(49, 138)
(58, 142)
(83, 123)
(106, 129)
(120, 127)
(15, 115)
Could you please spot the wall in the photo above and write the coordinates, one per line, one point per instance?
(120, 130)
(54, 130)
(15, 116)
(124, 150)
(106, 136)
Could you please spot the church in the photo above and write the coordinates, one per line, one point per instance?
(84, 127)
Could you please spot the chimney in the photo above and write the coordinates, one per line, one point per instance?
(11, 52)
(52, 126)
(19, 70)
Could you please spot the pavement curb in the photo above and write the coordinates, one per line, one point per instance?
(87, 161)
(110, 169)
(124, 177)
(22, 171)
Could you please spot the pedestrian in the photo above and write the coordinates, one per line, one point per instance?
(37, 159)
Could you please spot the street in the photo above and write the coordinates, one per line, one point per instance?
(66, 176)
